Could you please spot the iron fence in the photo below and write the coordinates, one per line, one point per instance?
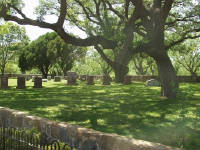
(15, 139)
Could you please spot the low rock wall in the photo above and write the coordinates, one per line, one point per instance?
(79, 137)
(180, 78)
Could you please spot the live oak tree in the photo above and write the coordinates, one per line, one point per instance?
(46, 51)
(38, 55)
(11, 38)
(113, 25)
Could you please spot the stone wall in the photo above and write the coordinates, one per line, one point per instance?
(180, 78)
(133, 77)
(76, 136)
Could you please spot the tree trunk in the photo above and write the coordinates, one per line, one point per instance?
(120, 72)
(167, 76)
(3, 70)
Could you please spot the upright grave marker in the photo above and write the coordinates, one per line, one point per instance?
(71, 78)
(38, 82)
(4, 82)
(21, 83)
(90, 80)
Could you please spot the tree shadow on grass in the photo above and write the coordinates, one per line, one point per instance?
(132, 110)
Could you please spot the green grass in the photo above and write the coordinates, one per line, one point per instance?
(134, 110)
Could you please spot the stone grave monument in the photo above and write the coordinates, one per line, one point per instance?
(21, 83)
(4, 82)
(153, 82)
(49, 78)
(57, 79)
(38, 82)
(71, 78)
(90, 80)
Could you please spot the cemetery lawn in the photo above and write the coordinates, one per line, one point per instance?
(133, 110)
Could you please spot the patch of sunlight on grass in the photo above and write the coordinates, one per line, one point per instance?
(153, 114)
(131, 116)
(172, 117)
(98, 91)
(197, 94)
(101, 122)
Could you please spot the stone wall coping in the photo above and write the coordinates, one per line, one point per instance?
(76, 134)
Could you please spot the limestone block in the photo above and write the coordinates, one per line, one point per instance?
(48, 78)
(57, 79)
(152, 82)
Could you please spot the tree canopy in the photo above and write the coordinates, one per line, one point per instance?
(11, 37)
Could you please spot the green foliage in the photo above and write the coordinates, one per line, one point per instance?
(12, 38)
(46, 7)
(66, 54)
(187, 57)
(49, 51)
(92, 64)
(144, 64)
(38, 54)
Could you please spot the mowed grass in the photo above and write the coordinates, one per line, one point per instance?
(133, 110)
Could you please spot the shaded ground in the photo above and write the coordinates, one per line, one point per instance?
(134, 110)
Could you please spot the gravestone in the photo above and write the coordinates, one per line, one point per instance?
(48, 78)
(106, 80)
(127, 80)
(71, 78)
(57, 79)
(21, 83)
(38, 82)
(83, 77)
(90, 80)
(4, 82)
(152, 82)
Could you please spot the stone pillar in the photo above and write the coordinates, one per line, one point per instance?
(21, 83)
(37, 82)
(127, 80)
(48, 78)
(57, 79)
(4, 82)
(106, 80)
(90, 80)
(71, 78)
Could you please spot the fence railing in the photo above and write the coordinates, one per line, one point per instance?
(15, 139)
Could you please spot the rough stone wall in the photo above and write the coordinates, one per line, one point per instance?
(79, 137)
(180, 78)
(134, 78)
